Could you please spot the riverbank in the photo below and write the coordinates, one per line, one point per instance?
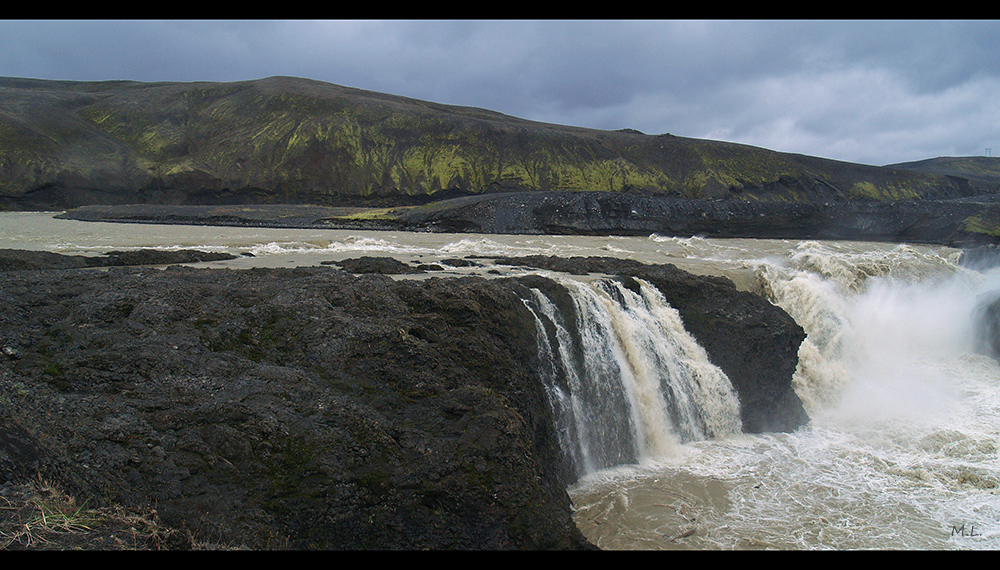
(956, 223)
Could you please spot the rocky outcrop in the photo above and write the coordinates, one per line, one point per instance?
(16, 259)
(374, 264)
(314, 408)
(301, 408)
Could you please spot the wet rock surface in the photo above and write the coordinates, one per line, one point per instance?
(316, 408)
(374, 264)
(16, 259)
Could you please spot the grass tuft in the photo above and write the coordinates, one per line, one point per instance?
(40, 516)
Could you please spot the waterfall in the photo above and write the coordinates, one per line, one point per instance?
(873, 318)
(626, 381)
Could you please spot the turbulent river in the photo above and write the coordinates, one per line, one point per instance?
(902, 450)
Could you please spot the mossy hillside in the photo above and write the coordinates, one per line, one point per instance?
(869, 191)
(987, 223)
(375, 148)
(366, 150)
(300, 141)
(983, 169)
(39, 147)
(983, 166)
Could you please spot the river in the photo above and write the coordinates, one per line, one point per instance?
(902, 450)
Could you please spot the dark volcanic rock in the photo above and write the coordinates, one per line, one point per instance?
(298, 408)
(383, 265)
(17, 259)
(618, 213)
(159, 257)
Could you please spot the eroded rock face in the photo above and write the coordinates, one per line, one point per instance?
(307, 408)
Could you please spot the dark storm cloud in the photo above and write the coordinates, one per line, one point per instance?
(866, 91)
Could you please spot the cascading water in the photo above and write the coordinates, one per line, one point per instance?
(872, 318)
(902, 451)
(626, 381)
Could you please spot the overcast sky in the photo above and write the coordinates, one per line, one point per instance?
(875, 92)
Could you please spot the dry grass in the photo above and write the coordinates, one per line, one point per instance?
(39, 516)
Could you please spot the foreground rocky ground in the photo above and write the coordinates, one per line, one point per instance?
(309, 408)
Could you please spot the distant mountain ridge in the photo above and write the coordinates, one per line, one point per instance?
(284, 140)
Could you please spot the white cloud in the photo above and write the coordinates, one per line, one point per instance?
(873, 116)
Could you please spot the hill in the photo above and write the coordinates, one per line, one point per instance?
(286, 140)
(983, 170)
